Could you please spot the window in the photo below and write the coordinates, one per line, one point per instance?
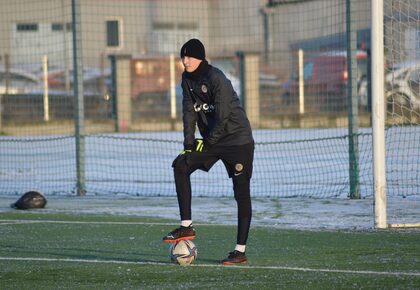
(187, 26)
(172, 35)
(144, 68)
(27, 27)
(412, 42)
(113, 33)
(60, 26)
(414, 83)
(308, 70)
(163, 25)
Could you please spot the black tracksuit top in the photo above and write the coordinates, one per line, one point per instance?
(210, 102)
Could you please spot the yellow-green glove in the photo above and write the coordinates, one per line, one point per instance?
(199, 145)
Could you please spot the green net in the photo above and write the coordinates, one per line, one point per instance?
(287, 60)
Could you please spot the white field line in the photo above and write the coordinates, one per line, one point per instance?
(22, 221)
(94, 261)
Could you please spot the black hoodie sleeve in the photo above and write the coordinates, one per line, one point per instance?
(189, 117)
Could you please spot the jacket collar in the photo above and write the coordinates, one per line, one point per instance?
(200, 72)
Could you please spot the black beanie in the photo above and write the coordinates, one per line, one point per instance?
(193, 48)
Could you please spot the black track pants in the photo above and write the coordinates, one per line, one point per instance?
(238, 161)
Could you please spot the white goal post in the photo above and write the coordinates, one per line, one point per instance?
(378, 114)
(378, 119)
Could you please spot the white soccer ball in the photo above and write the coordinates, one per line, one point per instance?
(183, 252)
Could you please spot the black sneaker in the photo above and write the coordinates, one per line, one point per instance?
(181, 233)
(235, 257)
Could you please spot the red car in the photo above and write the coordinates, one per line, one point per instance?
(325, 81)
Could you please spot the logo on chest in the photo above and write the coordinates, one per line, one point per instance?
(206, 108)
(204, 88)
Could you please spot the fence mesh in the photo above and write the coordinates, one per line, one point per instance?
(286, 59)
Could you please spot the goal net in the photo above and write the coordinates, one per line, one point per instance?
(402, 93)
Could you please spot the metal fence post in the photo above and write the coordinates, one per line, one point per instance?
(113, 90)
(352, 102)
(78, 94)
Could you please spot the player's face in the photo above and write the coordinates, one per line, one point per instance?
(190, 63)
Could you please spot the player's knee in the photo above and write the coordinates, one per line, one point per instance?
(180, 165)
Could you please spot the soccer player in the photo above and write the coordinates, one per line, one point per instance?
(211, 104)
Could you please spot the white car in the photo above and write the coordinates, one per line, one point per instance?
(403, 85)
(15, 81)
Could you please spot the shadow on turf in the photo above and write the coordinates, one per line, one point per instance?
(109, 255)
(59, 252)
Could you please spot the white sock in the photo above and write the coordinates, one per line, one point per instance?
(186, 223)
(240, 248)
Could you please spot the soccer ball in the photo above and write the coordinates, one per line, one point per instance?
(183, 252)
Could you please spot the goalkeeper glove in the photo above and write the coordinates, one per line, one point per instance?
(199, 145)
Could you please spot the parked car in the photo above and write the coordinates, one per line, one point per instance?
(403, 85)
(95, 80)
(325, 80)
(15, 81)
